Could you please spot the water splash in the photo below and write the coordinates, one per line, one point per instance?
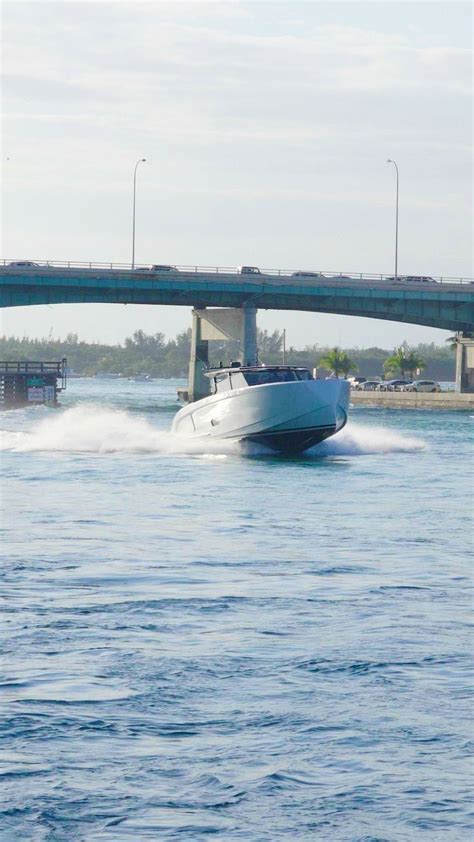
(359, 440)
(89, 429)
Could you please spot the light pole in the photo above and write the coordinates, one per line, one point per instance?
(389, 161)
(140, 161)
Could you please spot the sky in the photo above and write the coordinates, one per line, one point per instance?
(266, 127)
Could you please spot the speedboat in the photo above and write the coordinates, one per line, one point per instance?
(281, 407)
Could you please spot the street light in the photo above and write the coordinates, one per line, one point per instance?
(389, 161)
(140, 161)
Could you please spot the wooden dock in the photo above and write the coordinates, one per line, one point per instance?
(30, 382)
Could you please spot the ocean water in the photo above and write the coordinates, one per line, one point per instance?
(205, 643)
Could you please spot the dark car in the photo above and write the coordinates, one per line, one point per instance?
(356, 381)
(392, 385)
(248, 270)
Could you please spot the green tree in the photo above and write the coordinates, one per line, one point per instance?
(398, 361)
(269, 343)
(414, 362)
(338, 362)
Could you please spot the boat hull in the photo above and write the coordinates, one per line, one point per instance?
(285, 417)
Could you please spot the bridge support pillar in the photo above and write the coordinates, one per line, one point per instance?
(248, 342)
(465, 364)
(237, 324)
(199, 360)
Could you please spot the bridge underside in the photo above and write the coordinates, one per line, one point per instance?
(453, 310)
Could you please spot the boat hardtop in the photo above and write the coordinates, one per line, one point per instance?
(241, 376)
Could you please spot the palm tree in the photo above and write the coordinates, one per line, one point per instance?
(453, 341)
(397, 362)
(414, 362)
(338, 362)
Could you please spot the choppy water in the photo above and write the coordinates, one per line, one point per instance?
(235, 646)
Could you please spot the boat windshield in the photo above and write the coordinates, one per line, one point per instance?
(276, 375)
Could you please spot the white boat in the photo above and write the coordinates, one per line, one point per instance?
(281, 407)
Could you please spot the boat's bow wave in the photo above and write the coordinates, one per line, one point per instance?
(87, 429)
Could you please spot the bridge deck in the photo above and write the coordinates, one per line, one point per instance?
(444, 303)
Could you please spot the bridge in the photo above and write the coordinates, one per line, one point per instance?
(442, 302)
(446, 303)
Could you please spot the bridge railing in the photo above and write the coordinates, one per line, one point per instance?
(296, 275)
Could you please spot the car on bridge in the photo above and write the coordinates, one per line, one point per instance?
(23, 264)
(302, 274)
(411, 279)
(418, 279)
(248, 270)
(157, 267)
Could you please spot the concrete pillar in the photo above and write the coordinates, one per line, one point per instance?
(199, 386)
(465, 364)
(248, 342)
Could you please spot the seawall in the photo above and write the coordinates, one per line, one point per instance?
(414, 400)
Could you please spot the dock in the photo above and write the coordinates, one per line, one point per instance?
(31, 382)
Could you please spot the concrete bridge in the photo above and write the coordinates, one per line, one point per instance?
(446, 303)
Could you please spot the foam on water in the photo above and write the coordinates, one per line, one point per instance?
(90, 429)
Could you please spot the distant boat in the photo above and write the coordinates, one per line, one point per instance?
(281, 407)
(107, 375)
(141, 378)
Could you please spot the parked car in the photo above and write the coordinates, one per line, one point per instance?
(356, 381)
(248, 270)
(422, 386)
(368, 386)
(302, 274)
(392, 385)
(23, 264)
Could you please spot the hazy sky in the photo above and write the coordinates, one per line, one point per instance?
(266, 127)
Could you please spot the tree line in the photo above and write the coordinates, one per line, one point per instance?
(157, 356)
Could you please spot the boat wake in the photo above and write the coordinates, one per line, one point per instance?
(92, 429)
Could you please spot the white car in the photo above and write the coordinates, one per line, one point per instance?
(422, 386)
(367, 386)
(23, 264)
(157, 267)
(302, 274)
